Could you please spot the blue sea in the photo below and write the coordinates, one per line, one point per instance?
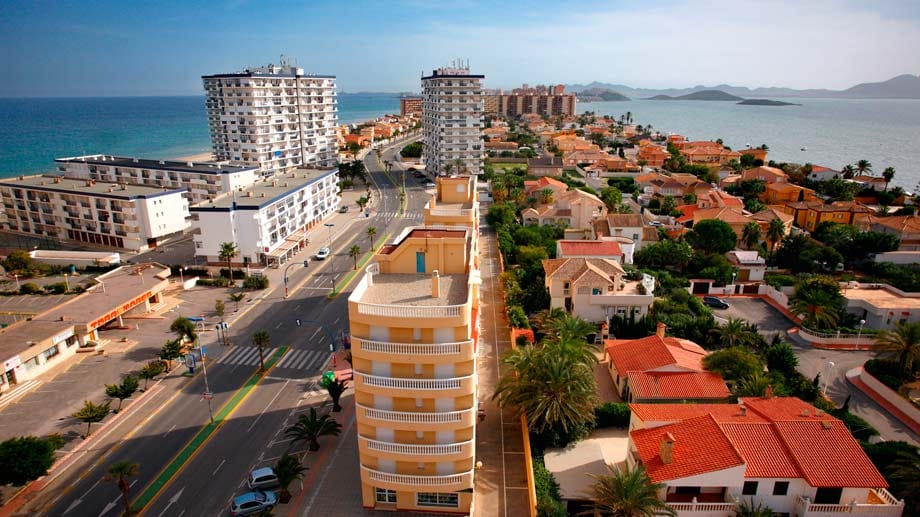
(834, 132)
(33, 132)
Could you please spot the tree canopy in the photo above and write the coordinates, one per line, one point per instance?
(712, 236)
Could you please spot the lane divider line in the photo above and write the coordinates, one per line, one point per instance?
(347, 279)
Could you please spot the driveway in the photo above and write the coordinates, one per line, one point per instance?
(769, 320)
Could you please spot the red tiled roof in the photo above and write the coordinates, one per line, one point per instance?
(677, 386)
(762, 449)
(678, 412)
(699, 447)
(576, 248)
(784, 408)
(821, 168)
(828, 456)
(652, 352)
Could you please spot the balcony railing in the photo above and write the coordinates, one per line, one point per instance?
(413, 348)
(403, 311)
(708, 509)
(462, 479)
(417, 450)
(806, 508)
(416, 417)
(413, 384)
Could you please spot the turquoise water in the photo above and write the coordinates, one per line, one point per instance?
(834, 131)
(33, 132)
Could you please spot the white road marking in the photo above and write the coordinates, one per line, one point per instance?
(219, 466)
(170, 430)
(272, 401)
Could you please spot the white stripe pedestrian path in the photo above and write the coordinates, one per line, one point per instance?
(306, 360)
(245, 355)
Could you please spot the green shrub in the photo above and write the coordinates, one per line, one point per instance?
(886, 371)
(237, 273)
(781, 358)
(255, 282)
(517, 318)
(612, 414)
(29, 288)
(549, 502)
(860, 429)
(778, 281)
(56, 288)
(215, 282)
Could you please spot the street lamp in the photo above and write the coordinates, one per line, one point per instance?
(306, 263)
(829, 370)
(182, 275)
(859, 334)
(66, 283)
(16, 277)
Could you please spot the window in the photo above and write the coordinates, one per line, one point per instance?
(438, 499)
(780, 488)
(385, 496)
(750, 488)
(51, 352)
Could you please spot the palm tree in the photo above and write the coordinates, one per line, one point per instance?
(903, 344)
(228, 250)
(119, 473)
(371, 233)
(150, 371)
(816, 307)
(566, 327)
(261, 339)
(499, 192)
(236, 298)
(91, 413)
(750, 234)
(336, 388)
(888, 174)
(184, 329)
(310, 428)
(355, 252)
(752, 386)
(552, 389)
(288, 469)
(765, 147)
(122, 391)
(629, 492)
(546, 196)
(171, 350)
(733, 332)
(848, 171)
(447, 168)
(749, 509)
(864, 167)
(775, 233)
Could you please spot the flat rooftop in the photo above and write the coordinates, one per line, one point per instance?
(122, 285)
(882, 298)
(65, 185)
(264, 192)
(167, 165)
(415, 290)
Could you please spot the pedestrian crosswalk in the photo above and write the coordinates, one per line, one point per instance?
(410, 217)
(304, 360)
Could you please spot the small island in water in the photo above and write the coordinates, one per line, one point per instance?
(766, 102)
(702, 95)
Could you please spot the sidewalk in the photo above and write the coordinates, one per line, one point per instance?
(501, 483)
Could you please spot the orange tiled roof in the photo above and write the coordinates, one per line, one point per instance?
(575, 248)
(677, 385)
(728, 214)
(762, 449)
(653, 352)
(699, 447)
(678, 412)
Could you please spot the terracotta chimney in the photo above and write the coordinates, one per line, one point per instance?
(743, 409)
(661, 330)
(768, 393)
(435, 284)
(666, 449)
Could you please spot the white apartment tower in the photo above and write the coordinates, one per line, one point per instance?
(274, 117)
(452, 121)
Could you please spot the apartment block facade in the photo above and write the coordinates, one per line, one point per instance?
(202, 181)
(274, 117)
(268, 221)
(413, 319)
(410, 106)
(452, 121)
(123, 216)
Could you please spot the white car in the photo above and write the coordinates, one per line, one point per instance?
(429, 185)
(322, 253)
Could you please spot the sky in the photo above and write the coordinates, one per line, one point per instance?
(118, 48)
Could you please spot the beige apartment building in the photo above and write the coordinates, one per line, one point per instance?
(414, 334)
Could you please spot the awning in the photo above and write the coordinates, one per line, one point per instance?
(282, 249)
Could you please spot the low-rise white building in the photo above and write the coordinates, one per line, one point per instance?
(202, 180)
(114, 215)
(268, 221)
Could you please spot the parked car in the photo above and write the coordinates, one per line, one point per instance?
(262, 478)
(715, 303)
(429, 185)
(253, 502)
(412, 169)
(343, 209)
(322, 253)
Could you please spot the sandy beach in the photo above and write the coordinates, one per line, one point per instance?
(200, 157)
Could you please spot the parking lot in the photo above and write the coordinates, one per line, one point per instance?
(769, 320)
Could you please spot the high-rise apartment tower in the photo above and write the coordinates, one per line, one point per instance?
(452, 121)
(275, 117)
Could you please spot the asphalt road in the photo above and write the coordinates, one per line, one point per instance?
(154, 438)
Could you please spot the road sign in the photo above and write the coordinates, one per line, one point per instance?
(207, 395)
(202, 352)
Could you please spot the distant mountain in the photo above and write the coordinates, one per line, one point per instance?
(765, 102)
(600, 94)
(903, 87)
(702, 95)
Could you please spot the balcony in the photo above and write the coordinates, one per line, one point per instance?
(887, 506)
(419, 453)
(443, 483)
(415, 387)
(433, 352)
(694, 509)
(419, 420)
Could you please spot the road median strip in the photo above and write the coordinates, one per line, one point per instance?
(201, 438)
(346, 280)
